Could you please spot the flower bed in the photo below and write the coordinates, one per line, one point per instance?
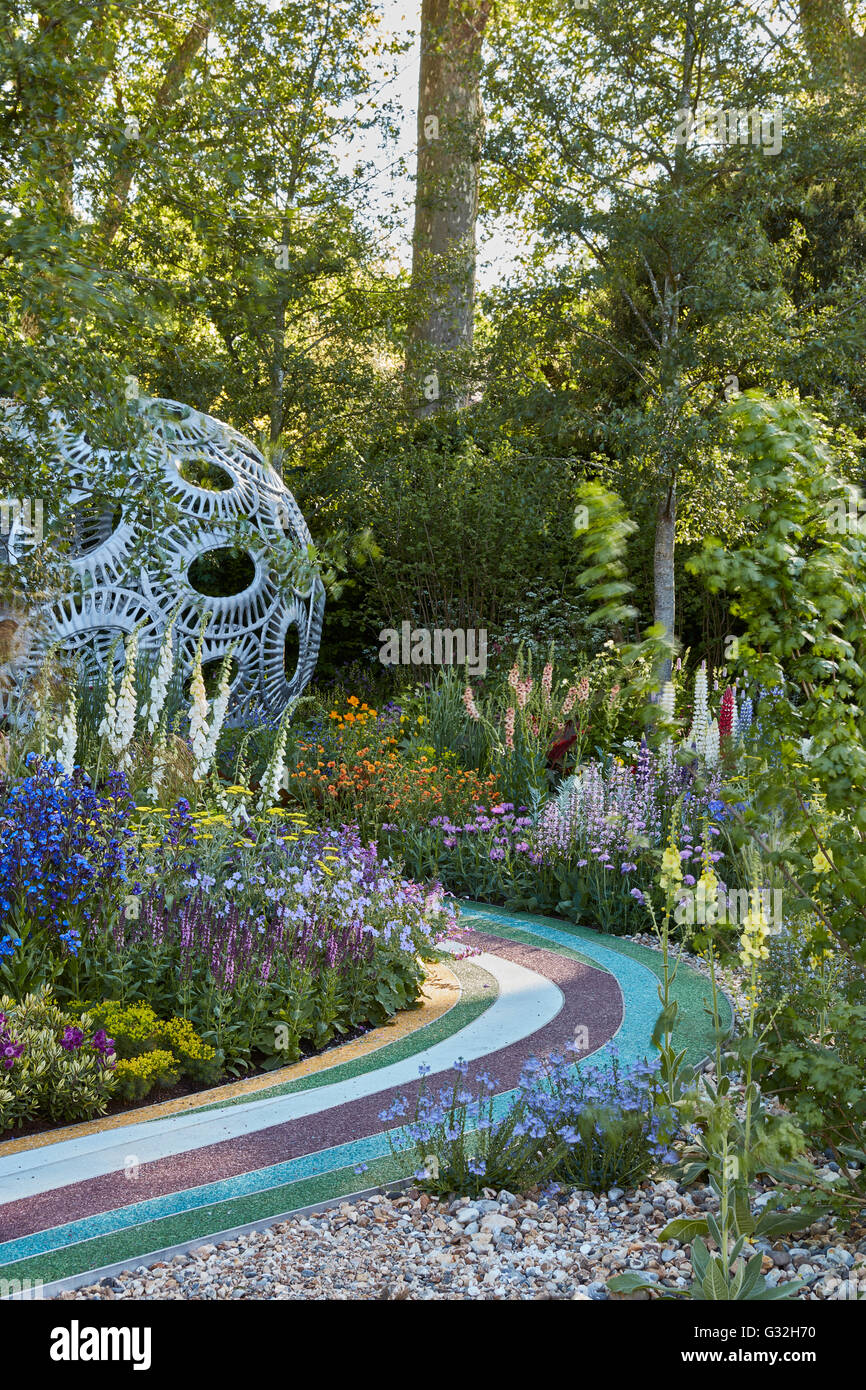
(208, 943)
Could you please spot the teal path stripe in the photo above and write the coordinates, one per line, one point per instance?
(637, 970)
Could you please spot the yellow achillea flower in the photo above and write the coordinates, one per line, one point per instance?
(323, 866)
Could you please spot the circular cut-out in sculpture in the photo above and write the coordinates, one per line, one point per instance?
(226, 495)
(284, 631)
(291, 652)
(205, 473)
(94, 522)
(84, 627)
(222, 572)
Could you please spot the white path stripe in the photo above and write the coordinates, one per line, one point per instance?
(527, 1002)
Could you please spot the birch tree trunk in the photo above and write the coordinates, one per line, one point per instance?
(664, 581)
(450, 128)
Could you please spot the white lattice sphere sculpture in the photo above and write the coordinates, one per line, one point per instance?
(126, 577)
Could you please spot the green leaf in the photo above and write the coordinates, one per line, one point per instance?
(752, 1275)
(783, 1223)
(743, 1212)
(632, 1281)
(714, 1284)
(684, 1228)
(780, 1291)
(700, 1257)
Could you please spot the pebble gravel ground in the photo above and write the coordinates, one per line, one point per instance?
(564, 1244)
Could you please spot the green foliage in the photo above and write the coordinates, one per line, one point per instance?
(47, 1081)
(136, 1077)
(138, 1034)
(814, 1004)
(462, 521)
(799, 590)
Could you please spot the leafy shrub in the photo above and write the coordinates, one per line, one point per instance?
(423, 497)
(138, 1033)
(813, 1003)
(52, 1066)
(137, 1076)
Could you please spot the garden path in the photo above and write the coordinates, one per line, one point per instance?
(107, 1194)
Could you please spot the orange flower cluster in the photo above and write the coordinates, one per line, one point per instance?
(371, 785)
(356, 716)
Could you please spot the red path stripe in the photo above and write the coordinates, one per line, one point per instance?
(592, 999)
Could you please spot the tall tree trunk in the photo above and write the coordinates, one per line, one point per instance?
(663, 569)
(837, 53)
(450, 127)
(828, 37)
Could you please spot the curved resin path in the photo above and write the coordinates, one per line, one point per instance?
(104, 1195)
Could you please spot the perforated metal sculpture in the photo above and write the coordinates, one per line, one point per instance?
(124, 578)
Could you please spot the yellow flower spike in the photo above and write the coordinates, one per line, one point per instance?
(756, 928)
(671, 875)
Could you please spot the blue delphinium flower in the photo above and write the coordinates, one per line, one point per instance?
(65, 848)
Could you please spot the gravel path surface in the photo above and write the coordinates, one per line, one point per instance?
(563, 1245)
